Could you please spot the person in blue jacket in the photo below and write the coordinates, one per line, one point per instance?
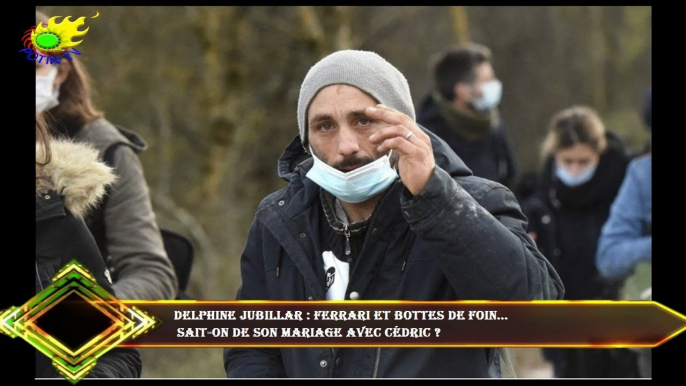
(626, 238)
(625, 247)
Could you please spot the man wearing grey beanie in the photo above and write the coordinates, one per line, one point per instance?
(378, 208)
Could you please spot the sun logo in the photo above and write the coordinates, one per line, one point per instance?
(48, 42)
(56, 38)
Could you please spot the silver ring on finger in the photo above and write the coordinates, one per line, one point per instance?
(409, 134)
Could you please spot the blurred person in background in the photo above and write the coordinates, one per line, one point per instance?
(124, 225)
(584, 165)
(69, 182)
(463, 111)
(625, 248)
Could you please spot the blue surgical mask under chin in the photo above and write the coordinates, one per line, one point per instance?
(357, 185)
(571, 180)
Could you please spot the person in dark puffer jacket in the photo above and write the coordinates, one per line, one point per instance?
(584, 167)
(69, 182)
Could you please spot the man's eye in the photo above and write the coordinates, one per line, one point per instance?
(365, 121)
(325, 126)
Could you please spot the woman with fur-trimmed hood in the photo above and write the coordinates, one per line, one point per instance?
(124, 225)
(69, 182)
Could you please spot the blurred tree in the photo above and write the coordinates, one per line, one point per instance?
(460, 24)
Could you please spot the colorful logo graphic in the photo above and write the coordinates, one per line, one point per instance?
(54, 39)
(74, 322)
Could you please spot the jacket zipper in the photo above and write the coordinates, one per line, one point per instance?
(376, 362)
(346, 232)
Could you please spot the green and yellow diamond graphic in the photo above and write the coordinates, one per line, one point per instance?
(74, 289)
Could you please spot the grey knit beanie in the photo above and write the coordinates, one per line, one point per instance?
(363, 69)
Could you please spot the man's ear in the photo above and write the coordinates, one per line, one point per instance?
(63, 71)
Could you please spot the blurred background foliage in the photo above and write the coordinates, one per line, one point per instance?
(214, 91)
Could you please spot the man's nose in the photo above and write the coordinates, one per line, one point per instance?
(347, 141)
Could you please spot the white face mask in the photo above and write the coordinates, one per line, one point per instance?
(357, 185)
(490, 96)
(46, 93)
(570, 179)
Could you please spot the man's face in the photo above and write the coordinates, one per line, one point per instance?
(339, 130)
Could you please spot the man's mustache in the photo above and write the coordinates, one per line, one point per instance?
(346, 164)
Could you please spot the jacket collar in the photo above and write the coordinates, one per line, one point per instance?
(292, 218)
